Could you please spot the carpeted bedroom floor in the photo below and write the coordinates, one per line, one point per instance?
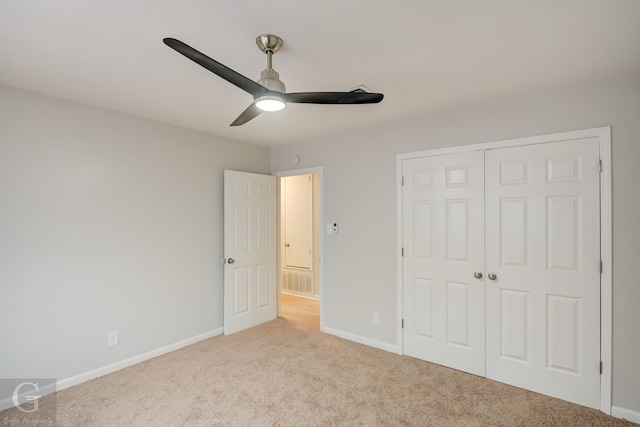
(287, 373)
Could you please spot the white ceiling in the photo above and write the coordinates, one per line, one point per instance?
(424, 55)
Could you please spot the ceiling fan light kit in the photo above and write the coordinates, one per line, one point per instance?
(270, 103)
(269, 93)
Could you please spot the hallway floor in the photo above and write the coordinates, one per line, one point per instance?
(301, 311)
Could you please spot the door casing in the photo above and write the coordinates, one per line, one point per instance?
(293, 172)
(604, 136)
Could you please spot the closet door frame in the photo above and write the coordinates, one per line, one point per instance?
(604, 136)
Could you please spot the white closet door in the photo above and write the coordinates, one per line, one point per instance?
(443, 240)
(543, 245)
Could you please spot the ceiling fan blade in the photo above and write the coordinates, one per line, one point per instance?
(250, 113)
(214, 66)
(354, 97)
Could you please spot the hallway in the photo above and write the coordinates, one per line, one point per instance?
(301, 311)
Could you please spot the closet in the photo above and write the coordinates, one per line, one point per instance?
(501, 264)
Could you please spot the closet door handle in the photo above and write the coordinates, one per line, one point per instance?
(477, 275)
(492, 276)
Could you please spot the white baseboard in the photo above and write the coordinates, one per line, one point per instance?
(626, 414)
(313, 298)
(86, 376)
(362, 340)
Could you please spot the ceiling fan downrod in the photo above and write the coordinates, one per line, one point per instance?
(269, 78)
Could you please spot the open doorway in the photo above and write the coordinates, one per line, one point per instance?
(300, 249)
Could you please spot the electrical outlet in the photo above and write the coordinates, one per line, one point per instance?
(376, 318)
(112, 338)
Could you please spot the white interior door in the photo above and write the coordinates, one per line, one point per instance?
(298, 221)
(443, 243)
(250, 250)
(543, 245)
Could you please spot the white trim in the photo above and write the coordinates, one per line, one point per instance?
(606, 281)
(626, 414)
(90, 375)
(294, 172)
(293, 294)
(305, 171)
(399, 271)
(392, 348)
(529, 140)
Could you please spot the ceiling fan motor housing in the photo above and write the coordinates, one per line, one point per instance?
(270, 79)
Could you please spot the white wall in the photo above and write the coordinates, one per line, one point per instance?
(107, 222)
(360, 195)
(110, 222)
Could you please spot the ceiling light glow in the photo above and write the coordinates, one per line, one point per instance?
(270, 103)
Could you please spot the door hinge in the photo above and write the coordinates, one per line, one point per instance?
(599, 165)
(401, 252)
(402, 180)
(601, 267)
(601, 366)
(402, 323)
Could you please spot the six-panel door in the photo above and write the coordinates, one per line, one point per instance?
(250, 250)
(536, 208)
(543, 245)
(443, 248)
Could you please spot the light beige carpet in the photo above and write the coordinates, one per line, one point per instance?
(286, 374)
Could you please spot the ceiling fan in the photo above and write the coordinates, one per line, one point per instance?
(269, 92)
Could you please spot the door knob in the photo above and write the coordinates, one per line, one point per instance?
(477, 275)
(492, 276)
(286, 245)
(231, 261)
